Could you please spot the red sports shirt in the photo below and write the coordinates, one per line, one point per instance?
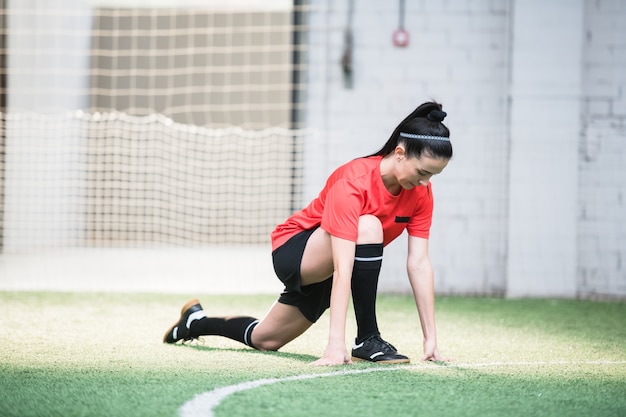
(356, 189)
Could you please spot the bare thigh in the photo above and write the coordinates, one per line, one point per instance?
(281, 325)
(317, 259)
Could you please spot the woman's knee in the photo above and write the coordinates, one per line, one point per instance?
(370, 230)
(281, 325)
(269, 345)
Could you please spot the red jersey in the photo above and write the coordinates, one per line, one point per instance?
(356, 189)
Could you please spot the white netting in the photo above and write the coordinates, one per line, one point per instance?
(139, 126)
(111, 179)
(204, 67)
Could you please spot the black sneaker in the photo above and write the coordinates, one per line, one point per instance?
(375, 349)
(180, 331)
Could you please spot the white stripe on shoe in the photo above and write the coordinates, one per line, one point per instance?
(196, 315)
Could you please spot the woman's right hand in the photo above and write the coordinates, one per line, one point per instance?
(334, 355)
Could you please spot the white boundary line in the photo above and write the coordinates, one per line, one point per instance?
(202, 405)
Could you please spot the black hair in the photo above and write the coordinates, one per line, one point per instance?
(426, 120)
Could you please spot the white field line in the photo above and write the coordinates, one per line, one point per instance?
(202, 405)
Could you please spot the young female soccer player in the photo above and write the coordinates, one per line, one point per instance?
(334, 247)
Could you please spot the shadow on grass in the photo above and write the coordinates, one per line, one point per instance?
(246, 350)
(300, 357)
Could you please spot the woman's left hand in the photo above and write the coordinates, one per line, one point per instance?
(431, 353)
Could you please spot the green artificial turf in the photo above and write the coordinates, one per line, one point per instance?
(102, 355)
(449, 392)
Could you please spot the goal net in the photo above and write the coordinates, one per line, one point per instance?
(135, 126)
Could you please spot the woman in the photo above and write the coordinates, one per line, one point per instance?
(334, 247)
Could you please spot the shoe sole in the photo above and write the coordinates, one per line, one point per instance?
(388, 362)
(186, 307)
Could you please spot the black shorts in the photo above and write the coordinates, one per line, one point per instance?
(312, 300)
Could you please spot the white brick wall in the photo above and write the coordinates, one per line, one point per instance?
(602, 187)
(545, 118)
(460, 53)
(560, 71)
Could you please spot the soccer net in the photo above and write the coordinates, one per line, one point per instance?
(142, 126)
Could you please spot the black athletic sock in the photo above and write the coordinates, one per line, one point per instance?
(237, 328)
(367, 263)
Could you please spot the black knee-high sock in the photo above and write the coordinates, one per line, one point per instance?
(367, 263)
(238, 328)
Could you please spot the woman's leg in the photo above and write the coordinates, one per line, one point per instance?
(283, 322)
(193, 323)
(367, 264)
(317, 265)
(281, 325)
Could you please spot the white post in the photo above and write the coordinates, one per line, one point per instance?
(547, 47)
(43, 171)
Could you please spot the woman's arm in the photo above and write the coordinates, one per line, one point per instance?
(343, 262)
(422, 280)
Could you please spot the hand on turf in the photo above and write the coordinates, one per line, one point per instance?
(334, 356)
(431, 353)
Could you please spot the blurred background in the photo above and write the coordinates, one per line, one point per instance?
(152, 145)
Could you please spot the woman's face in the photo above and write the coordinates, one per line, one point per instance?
(414, 172)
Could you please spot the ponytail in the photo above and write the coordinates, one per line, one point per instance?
(421, 132)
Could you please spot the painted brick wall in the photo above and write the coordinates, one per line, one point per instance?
(458, 55)
(602, 187)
